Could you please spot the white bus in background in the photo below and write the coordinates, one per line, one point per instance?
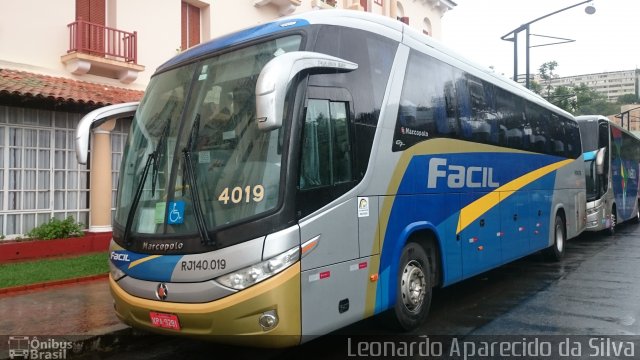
(611, 156)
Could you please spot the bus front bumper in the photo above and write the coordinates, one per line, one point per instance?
(597, 220)
(232, 319)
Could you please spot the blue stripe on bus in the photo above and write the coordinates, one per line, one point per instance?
(414, 202)
(590, 155)
(233, 39)
(147, 267)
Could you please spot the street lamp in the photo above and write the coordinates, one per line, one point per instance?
(525, 27)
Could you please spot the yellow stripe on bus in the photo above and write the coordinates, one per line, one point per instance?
(144, 259)
(474, 210)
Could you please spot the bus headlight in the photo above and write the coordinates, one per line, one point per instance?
(594, 209)
(251, 275)
(115, 272)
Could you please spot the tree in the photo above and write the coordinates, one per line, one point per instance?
(579, 100)
(535, 87)
(591, 102)
(546, 73)
(628, 99)
(564, 98)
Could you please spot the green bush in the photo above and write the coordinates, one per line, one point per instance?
(57, 229)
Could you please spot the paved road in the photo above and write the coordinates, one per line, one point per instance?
(594, 290)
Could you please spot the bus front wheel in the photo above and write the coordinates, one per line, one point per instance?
(556, 251)
(413, 294)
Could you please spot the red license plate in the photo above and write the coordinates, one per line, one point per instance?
(162, 320)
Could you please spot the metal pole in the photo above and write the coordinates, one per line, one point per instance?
(515, 57)
(526, 27)
(527, 70)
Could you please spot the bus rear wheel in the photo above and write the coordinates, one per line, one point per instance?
(612, 228)
(556, 251)
(414, 289)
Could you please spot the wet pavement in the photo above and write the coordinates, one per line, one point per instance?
(601, 298)
(594, 290)
(84, 308)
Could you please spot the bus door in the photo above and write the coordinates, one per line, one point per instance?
(515, 224)
(334, 279)
(540, 215)
(480, 245)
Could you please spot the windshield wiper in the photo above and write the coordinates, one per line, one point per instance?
(159, 151)
(152, 159)
(193, 183)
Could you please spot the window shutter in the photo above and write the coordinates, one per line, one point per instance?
(183, 30)
(93, 11)
(97, 13)
(82, 10)
(190, 26)
(97, 16)
(194, 25)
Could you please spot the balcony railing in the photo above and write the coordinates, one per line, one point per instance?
(98, 40)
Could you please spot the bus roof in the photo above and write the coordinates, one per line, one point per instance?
(360, 20)
(329, 17)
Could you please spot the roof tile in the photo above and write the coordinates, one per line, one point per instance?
(29, 84)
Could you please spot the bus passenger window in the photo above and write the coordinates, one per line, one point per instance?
(326, 150)
(342, 148)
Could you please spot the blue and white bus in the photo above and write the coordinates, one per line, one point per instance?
(302, 175)
(612, 160)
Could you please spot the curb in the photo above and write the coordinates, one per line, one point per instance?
(11, 251)
(20, 288)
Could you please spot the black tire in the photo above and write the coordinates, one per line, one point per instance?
(414, 289)
(636, 219)
(614, 222)
(556, 251)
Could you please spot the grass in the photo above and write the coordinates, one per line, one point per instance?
(31, 272)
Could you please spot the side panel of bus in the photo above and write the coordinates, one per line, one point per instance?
(482, 174)
(624, 173)
(475, 181)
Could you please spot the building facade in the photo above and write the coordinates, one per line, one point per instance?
(61, 59)
(628, 118)
(610, 84)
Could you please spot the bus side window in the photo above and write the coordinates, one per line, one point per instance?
(326, 150)
(510, 114)
(428, 103)
(463, 98)
(538, 119)
(341, 151)
(572, 135)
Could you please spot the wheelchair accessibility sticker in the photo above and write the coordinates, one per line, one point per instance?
(175, 212)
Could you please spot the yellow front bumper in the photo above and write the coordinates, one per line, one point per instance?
(233, 319)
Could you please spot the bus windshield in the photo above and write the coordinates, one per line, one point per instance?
(591, 180)
(195, 150)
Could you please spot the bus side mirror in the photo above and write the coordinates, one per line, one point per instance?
(600, 161)
(95, 118)
(276, 75)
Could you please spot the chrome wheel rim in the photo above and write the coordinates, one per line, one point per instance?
(613, 221)
(559, 238)
(413, 286)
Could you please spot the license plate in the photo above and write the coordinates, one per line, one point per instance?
(162, 320)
